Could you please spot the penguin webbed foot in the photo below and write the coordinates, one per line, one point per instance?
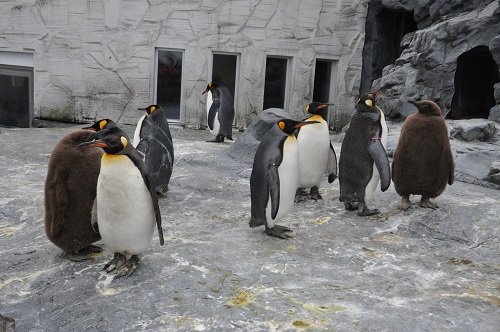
(405, 203)
(83, 254)
(349, 206)
(218, 139)
(300, 195)
(314, 193)
(116, 263)
(425, 202)
(128, 268)
(364, 211)
(281, 232)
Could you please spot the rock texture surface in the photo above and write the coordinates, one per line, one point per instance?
(426, 68)
(473, 129)
(95, 59)
(418, 270)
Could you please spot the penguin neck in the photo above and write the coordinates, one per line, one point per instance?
(316, 117)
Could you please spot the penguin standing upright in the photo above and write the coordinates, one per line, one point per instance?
(153, 140)
(220, 111)
(127, 205)
(423, 162)
(363, 159)
(70, 192)
(316, 153)
(274, 177)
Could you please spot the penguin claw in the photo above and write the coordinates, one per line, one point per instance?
(281, 232)
(116, 263)
(314, 194)
(127, 268)
(350, 206)
(405, 203)
(84, 254)
(364, 211)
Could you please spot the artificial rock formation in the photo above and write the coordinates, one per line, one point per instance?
(451, 57)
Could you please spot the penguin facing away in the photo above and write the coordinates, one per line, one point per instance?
(363, 159)
(274, 177)
(70, 192)
(316, 153)
(127, 205)
(220, 111)
(423, 161)
(152, 138)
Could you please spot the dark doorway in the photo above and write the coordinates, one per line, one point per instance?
(275, 83)
(475, 76)
(224, 70)
(322, 81)
(384, 31)
(169, 82)
(16, 96)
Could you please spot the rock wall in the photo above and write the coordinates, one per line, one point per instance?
(95, 58)
(426, 68)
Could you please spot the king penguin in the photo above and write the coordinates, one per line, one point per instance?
(423, 162)
(316, 153)
(153, 140)
(275, 176)
(70, 192)
(220, 111)
(363, 159)
(127, 205)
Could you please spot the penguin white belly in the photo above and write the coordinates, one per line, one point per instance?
(372, 185)
(314, 145)
(288, 172)
(125, 210)
(216, 125)
(137, 132)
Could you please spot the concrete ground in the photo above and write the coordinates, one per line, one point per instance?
(418, 270)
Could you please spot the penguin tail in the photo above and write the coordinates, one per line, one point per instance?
(256, 222)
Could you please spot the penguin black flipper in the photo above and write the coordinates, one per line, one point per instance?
(378, 154)
(213, 111)
(135, 156)
(274, 188)
(332, 164)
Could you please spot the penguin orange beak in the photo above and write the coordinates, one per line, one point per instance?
(94, 143)
(142, 109)
(324, 106)
(89, 128)
(304, 123)
(206, 90)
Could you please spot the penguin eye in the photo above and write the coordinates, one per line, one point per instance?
(281, 124)
(103, 124)
(124, 141)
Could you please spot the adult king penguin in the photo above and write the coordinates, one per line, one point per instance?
(363, 160)
(153, 140)
(274, 177)
(220, 111)
(423, 162)
(127, 205)
(316, 153)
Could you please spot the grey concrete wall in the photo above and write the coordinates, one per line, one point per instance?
(95, 58)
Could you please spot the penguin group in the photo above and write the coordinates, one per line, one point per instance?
(101, 185)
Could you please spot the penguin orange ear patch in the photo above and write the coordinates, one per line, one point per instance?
(153, 108)
(369, 102)
(307, 109)
(103, 124)
(124, 141)
(281, 124)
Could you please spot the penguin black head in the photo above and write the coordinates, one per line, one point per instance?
(112, 141)
(318, 108)
(368, 100)
(150, 109)
(210, 86)
(101, 125)
(426, 107)
(288, 126)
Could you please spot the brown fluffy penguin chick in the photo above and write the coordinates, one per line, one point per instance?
(70, 191)
(423, 162)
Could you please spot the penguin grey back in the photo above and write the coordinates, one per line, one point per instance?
(226, 109)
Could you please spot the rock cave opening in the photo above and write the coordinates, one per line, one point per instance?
(475, 76)
(384, 31)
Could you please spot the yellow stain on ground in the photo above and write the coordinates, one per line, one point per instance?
(241, 299)
(6, 232)
(300, 324)
(322, 220)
